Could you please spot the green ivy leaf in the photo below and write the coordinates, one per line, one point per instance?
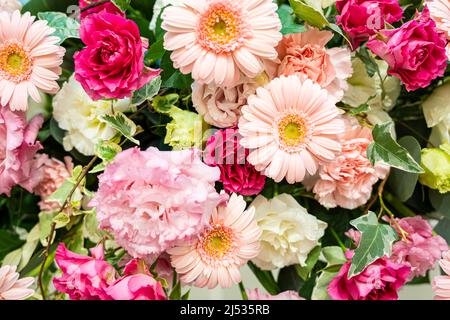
(163, 104)
(385, 149)
(312, 15)
(107, 150)
(320, 291)
(147, 92)
(287, 18)
(122, 4)
(376, 242)
(313, 257)
(121, 123)
(65, 27)
(334, 256)
(361, 109)
(61, 220)
(155, 52)
(36, 6)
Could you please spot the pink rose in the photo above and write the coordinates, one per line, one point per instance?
(112, 64)
(108, 6)
(18, 145)
(347, 182)
(223, 150)
(83, 278)
(381, 280)
(362, 18)
(415, 52)
(421, 250)
(256, 294)
(136, 284)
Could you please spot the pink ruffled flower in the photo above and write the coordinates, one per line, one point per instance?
(220, 106)
(83, 278)
(306, 54)
(421, 250)
(108, 6)
(112, 64)
(379, 281)
(150, 199)
(441, 284)
(18, 145)
(136, 284)
(256, 294)
(50, 174)
(236, 173)
(347, 182)
(361, 19)
(415, 52)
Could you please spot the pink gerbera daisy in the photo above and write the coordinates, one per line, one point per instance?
(292, 126)
(219, 40)
(215, 256)
(30, 59)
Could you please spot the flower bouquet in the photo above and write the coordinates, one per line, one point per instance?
(148, 148)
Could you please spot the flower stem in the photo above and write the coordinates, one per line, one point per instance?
(243, 293)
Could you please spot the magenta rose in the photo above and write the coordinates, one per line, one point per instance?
(108, 6)
(236, 173)
(415, 52)
(381, 280)
(18, 146)
(362, 18)
(83, 278)
(112, 64)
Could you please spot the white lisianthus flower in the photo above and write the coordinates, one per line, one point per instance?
(289, 232)
(10, 5)
(437, 114)
(159, 5)
(79, 115)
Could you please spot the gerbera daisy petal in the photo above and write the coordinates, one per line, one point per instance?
(297, 107)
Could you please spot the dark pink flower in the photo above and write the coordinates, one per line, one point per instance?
(108, 6)
(415, 52)
(362, 18)
(421, 250)
(112, 64)
(83, 278)
(381, 280)
(236, 173)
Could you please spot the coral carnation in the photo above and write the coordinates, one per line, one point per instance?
(150, 199)
(237, 175)
(215, 256)
(219, 41)
(291, 126)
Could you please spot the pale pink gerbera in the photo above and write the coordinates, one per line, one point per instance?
(215, 256)
(292, 126)
(441, 284)
(218, 40)
(13, 288)
(30, 59)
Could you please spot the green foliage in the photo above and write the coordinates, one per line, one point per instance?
(265, 278)
(376, 242)
(65, 27)
(147, 92)
(121, 123)
(307, 12)
(36, 6)
(287, 18)
(122, 4)
(305, 271)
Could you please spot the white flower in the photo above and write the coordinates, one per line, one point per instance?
(159, 5)
(437, 114)
(79, 115)
(13, 288)
(289, 232)
(10, 5)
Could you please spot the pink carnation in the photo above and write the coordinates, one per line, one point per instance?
(306, 54)
(112, 64)
(348, 181)
(50, 174)
(150, 199)
(441, 284)
(256, 294)
(83, 278)
(379, 281)
(236, 173)
(421, 250)
(415, 52)
(108, 6)
(136, 284)
(362, 18)
(18, 146)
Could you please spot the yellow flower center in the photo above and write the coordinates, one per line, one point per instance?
(15, 62)
(292, 131)
(217, 242)
(221, 29)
